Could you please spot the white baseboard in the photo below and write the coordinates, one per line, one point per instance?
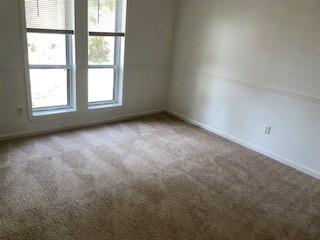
(248, 145)
(79, 125)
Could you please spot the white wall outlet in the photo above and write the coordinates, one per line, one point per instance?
(267, 130)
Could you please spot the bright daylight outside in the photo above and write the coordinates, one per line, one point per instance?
(49, 87)
(101, 18)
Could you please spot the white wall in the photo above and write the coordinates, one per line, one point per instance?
(239, 65)
(148, 53)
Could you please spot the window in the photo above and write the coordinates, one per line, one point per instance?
(51, 47)
(50, 30)
(105, 25)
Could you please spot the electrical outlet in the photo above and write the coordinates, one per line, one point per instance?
(19, 110)
(267, 130)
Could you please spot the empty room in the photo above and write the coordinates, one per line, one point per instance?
(159, 120)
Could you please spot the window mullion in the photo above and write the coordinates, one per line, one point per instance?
(106, 34)
(102, 66)
(49, 31)
(44, 66)
(69, 61)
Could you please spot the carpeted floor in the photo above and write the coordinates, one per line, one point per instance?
(154, 178)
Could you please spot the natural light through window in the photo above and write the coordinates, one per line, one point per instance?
(101, 84)
(52, 44)
(104, 49)
(49, 87)
(50, 30)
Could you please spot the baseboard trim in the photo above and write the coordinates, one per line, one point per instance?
(124, 117)
(248, 145)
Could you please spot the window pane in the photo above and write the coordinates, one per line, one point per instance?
(100, 84)
(102, 15)
(52, 14)
(47, 48)
(101, 50)
(49, 87)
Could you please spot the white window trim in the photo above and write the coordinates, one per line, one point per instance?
(77, 99)
(26, 60)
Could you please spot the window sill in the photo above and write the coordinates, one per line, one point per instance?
(52, 112)
(104, 106)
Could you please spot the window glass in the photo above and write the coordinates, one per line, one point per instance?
(101, 50)
(45, 49)
(49, 87)
(102, 15)
(50, 14)
(100, 84)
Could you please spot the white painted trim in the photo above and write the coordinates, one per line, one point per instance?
(297, 95)
(248, 145)
(79, 125)
(26, 60)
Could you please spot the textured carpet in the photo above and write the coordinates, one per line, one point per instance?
(150, 178)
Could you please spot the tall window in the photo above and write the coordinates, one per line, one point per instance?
(106, 34)
(50, 30)
(51, 46)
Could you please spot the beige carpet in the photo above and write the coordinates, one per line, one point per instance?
(154, 178)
